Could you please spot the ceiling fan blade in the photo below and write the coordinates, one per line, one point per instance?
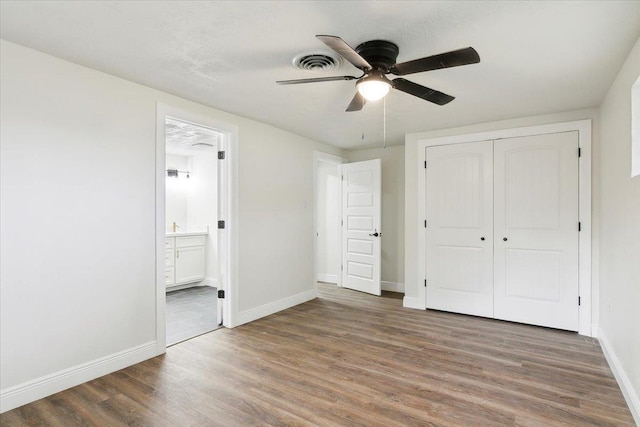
(315, 80)
(346, 51)
(357, 103)
(423, 92)
(455, 58)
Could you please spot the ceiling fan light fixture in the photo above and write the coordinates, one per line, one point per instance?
(373, 89)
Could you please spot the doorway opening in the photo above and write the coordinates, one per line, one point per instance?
(347, 223)
(191, 215)
(328, 212)
(194, 225)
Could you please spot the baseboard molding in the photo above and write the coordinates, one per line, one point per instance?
(409, 302)
(273, 307)
(328, 278)
(594, 330)
(630, 395)
(30, 391)
(392, 286)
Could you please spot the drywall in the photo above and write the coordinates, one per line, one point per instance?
(202, 204)
(393, 216)
(77, 284)
(413, 223)
(620, 235)
(328, 222)
(176, 194)
(276, 214)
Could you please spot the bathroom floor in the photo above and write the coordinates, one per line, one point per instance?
(191, 312)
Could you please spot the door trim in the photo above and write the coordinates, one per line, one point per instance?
(227, 210)
(583, 127)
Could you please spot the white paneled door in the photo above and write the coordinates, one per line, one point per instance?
(536, 230)
(459, 228)
(361, 219)
(502, 229)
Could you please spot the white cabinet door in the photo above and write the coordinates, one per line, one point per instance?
(459, 232)
(536, 230)
(361, 216)
(190, 264)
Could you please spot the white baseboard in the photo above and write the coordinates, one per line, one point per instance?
(328, 278)
(630, 395)
(409, 302)
(392, 286)
(594, 330)
(30, 391)
(273, 307)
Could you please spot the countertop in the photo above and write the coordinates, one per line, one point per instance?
(186, 233)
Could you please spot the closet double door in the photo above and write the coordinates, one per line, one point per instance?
(502, 229)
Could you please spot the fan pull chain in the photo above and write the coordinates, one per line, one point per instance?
(384, 122)
(362, 115)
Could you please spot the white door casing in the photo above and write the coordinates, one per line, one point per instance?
(588, 297)
(536, 230)
(533, 250)
(459, 228)
(361, 219)
(228, 262)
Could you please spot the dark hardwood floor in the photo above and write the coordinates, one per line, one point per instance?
(352, 359)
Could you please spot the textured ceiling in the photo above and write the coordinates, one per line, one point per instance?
(537, 57)
(187, 139)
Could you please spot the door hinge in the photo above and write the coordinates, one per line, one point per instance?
(579, 226)
(425, 164)
(221, 293)
(578, 300)
(341, 267)
(342, 178)
(425, 283)
(220, 155)
(579, 152)
(425, 223)
(221, 224)
(342, 222)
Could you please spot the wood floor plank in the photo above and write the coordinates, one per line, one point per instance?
(352, 359)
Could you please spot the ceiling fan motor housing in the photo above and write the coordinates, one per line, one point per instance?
(381, 54)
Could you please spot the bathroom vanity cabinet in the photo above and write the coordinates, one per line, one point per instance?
(184, 258)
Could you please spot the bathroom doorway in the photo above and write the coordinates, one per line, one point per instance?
(191, 215)
(193, 226)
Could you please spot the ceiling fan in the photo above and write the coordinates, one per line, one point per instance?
(377, 58)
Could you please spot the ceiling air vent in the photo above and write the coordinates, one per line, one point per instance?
(316, 61)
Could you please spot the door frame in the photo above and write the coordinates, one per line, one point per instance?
(227, 210)
(319, 157)
(583, 127)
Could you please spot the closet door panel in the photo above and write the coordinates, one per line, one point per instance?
(536, 230)
(459, 228)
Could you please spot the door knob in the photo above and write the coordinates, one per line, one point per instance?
(482, 238)
(376, 234)
(504, 238)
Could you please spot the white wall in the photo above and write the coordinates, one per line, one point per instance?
(620, 235)
(393, 217)
(77, 252)
(276, 215)
(176, 193)
(413, 223)
(202, 204)
(328, 222)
